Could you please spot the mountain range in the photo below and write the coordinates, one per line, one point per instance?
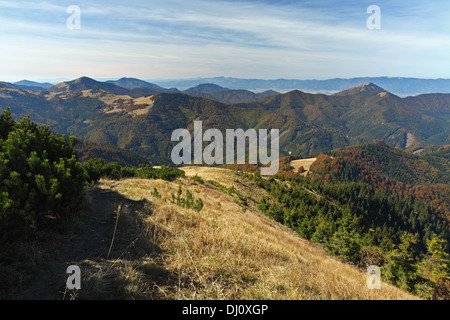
(131, 118)
(400, 86)
(30, 85)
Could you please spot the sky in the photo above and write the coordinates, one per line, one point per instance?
(234, 38)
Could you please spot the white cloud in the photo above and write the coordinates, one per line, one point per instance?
(207, 38)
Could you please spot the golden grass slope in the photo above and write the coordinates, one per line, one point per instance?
(227, 250)
(305, 163)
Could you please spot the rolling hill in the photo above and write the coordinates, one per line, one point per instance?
(133, 83)
(85, 83)
(228, 96)
(204, 88)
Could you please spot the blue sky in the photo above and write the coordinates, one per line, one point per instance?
(234, 38)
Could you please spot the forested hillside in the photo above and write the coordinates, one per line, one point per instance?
(373, 204)
(142, 122)
(424, 176)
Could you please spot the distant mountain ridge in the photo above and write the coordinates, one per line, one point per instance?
(137, 88)
(225, 95)
(401, 86)
(30, 85)
(397, 85)
(110, 115)
(133, 83)
(205, 88)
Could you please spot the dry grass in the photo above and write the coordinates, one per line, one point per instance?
(223, 251)
(138, 246)
(305, 163)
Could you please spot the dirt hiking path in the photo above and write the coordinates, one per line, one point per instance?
(92, 241)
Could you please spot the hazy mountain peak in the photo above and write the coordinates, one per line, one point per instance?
(205, 88)
(86, 83)
(134, 83)
(365, 87)
(81, 83)
(83, 80)
(296, 93)
(27, 84)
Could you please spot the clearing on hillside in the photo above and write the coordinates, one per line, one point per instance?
(305, 163)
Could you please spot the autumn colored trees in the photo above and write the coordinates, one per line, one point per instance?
(364, 226)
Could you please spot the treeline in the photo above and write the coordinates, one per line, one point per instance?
(97, 169)
(42, 181)
(87, 150)
(366, 226)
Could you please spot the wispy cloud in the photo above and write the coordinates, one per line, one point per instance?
(307, 39)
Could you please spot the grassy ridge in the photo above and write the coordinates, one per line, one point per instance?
(229, 250)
